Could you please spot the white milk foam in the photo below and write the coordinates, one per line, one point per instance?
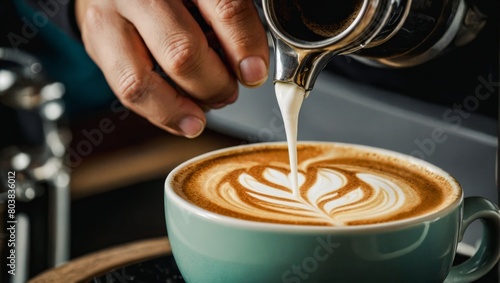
(338, 186)
(323, 201)
(290, 98)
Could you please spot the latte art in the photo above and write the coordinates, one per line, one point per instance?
(337, 186)
(336, 196)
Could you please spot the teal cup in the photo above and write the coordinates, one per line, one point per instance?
(212, 248)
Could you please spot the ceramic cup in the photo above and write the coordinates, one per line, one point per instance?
(209, 247)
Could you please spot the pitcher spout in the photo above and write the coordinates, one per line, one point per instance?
(298, 66)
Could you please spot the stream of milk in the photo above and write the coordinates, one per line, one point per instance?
(290, 97)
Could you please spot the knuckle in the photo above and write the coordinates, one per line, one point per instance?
(95, 19)
(95, 16)
(132, 86)
(236, 14)
(245, 41)
(181, 54)
(232, 10)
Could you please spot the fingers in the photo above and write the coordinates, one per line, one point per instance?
(121, 37)
(180, 47)
(114, 44)
(242, 36)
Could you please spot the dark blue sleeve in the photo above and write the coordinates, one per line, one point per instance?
(60, 12)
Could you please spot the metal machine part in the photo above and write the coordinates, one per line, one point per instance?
(34, 156)
(394, 33)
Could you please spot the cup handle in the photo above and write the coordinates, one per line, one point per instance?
(477, 208)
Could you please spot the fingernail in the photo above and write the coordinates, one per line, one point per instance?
(191, 127)
(253, 71)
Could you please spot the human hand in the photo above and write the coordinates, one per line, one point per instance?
(123, 37)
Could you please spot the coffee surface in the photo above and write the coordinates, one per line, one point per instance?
(328, 18)
(338, 186)
(313, 20)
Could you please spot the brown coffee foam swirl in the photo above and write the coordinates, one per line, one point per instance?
(338, 186)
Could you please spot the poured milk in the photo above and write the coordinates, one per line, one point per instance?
(338, 185)
(290, 97)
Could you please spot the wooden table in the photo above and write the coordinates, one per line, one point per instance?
(83, 269)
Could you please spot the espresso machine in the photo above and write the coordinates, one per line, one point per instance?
(34, 190)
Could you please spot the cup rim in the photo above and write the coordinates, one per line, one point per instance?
(284, 227)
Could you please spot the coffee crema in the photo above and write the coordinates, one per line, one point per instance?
(339, 185)
(313, 20)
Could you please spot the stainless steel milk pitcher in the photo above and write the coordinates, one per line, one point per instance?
(395, 33)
